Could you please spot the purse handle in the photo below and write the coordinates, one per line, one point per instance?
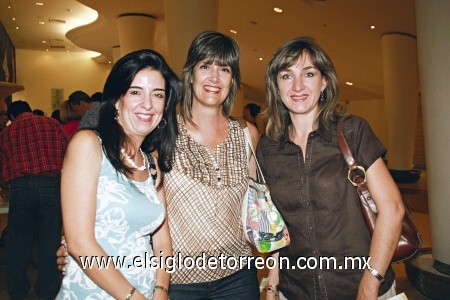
(348, 156)
(250, 144)
(357, 180)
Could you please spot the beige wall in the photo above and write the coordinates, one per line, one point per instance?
(40, 71)
(374, 112)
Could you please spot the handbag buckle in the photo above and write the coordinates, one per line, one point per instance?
(350, 172)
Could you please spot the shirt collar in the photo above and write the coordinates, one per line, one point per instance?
(324, 133)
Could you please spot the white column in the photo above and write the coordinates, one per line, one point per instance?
(433, 41)
(185, 19)
(401, 95)
(136, 32)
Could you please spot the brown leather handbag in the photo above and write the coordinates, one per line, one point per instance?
(410, 240)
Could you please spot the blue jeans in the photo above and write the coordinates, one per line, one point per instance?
(241, 285)
(34, 213)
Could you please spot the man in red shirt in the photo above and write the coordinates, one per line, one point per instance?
(31, 155)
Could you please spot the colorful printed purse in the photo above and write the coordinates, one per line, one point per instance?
(264, 226)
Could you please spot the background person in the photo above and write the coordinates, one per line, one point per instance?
(97, 97)
(81, 102)
(55, 115)
(31, 156)
(306, 171)
(119, 212)
(38, 112)
(251, 114)
(90, 118)
(3, 119)
(251, 111)
(68, 117)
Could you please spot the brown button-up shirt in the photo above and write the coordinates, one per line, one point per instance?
(322, 210)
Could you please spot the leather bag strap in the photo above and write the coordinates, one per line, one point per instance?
(348, 156)
(355, 178)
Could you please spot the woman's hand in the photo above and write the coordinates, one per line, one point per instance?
(61, 256)
(271, 285)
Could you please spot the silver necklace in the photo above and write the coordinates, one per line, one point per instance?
(131, 162)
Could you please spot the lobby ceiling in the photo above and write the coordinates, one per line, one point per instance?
(341, 27)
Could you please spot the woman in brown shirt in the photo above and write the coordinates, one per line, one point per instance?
(305, 169)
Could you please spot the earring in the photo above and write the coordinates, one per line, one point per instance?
(321, 96)
(165, 123)
(116, 116)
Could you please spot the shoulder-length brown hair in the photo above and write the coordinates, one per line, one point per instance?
(276, 112)
(210, 47)
(67, 113)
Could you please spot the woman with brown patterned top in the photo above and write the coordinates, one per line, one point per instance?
(209, 179)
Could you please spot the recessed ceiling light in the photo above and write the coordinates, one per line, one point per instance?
(39, 3)
(46, 49)
(349, 83)
(17, 27)
(9, 6)
(41, 22)
(44, 42)
(260, 58)
(277, 9)
(13, 19)
(233, 31)
(372, 27)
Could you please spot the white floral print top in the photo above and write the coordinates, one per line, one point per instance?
(124, 221)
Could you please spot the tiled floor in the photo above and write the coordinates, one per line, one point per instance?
(415, 196)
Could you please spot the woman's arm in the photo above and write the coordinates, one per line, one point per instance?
(273, 279)
(388, 226)
(81, 170)
(162, 246)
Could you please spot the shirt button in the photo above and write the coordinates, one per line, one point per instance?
(311, 228)
(307, 203)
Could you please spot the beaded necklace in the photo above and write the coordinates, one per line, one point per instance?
(131, 162)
